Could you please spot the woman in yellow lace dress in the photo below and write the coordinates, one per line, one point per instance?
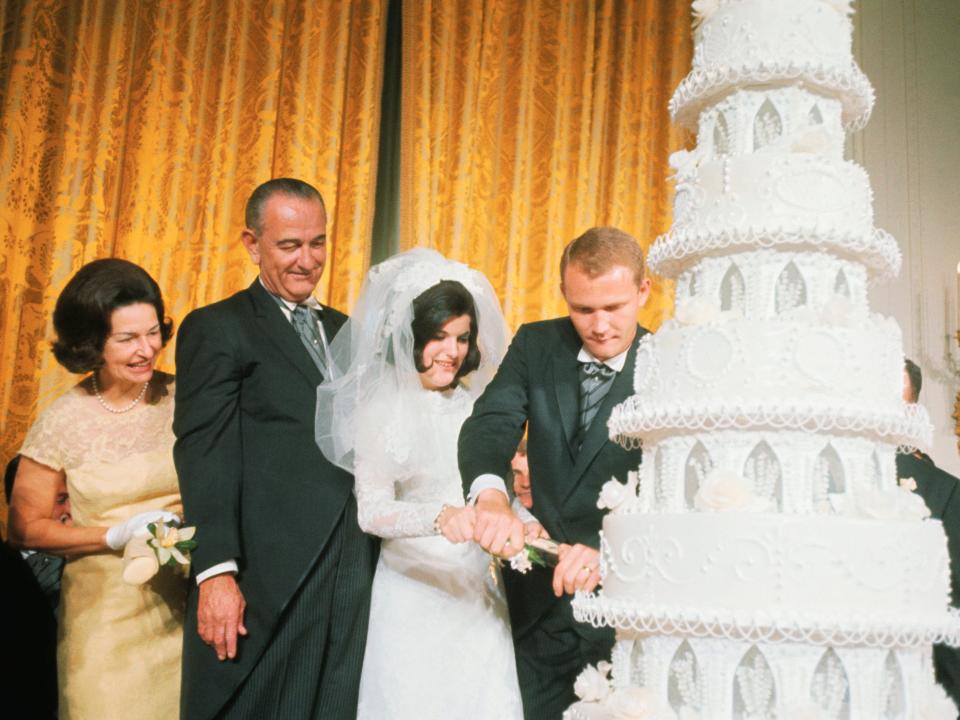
(110, 438)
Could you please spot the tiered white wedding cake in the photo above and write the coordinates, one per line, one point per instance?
(764, 563)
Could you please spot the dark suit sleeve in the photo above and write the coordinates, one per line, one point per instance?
(946, 660)
(208, 448)
(939, 490)
(489, 437)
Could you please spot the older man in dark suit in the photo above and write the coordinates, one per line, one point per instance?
(277, 623)
(560, 379)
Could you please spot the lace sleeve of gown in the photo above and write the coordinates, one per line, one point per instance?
(380, 513)
(395, 463)
(44, 442)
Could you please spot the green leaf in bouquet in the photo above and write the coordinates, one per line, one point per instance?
(186, 545)
(535, 557)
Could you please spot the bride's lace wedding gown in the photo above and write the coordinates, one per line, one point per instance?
(439, 642)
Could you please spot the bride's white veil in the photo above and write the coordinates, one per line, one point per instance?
(375, 382)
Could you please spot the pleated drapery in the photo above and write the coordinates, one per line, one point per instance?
(139, 128)
(525, 123)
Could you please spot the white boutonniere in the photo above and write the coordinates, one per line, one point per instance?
(541, 552)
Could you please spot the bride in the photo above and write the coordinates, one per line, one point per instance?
(426, 337)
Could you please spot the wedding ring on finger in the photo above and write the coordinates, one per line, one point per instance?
(587, 568)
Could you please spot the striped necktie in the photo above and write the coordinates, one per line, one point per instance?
(47, 569)
(595, 381)
(305, 323)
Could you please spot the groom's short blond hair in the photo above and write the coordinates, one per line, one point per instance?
(600, 249)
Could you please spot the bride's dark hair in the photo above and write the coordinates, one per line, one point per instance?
(432, 309)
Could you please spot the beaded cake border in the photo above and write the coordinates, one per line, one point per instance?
(703, 85)
(882, 632)
(675, 249)
(637, 416)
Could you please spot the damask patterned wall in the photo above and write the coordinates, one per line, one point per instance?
(137, 128)
(525, 123)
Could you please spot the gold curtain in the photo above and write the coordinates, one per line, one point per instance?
(138, 129)
(525, 123)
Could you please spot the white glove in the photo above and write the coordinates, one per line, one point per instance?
(121, 533)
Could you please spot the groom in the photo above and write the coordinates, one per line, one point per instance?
(560, 378)
(277, 618)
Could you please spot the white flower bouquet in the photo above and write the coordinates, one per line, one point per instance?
(541, 552)
(163, 544)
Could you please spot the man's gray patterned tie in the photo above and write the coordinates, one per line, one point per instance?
(305, 323)
(595, 381)
(47, 569)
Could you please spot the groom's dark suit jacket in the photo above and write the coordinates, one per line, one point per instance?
(538, 385)
(252, 478)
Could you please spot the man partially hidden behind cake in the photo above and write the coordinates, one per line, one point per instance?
(941, 492)
(560, 378)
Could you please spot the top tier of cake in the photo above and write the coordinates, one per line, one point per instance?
(749, 43)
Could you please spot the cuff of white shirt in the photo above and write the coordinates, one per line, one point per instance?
(228, 566)
(487, 481)
(521, 512)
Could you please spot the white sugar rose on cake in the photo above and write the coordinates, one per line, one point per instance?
(765, 563)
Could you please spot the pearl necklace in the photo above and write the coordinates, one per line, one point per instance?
(117, 411)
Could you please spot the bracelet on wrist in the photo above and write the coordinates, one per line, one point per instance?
(438, 520)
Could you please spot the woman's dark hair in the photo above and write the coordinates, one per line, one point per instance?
(81, 317)
(432, 309)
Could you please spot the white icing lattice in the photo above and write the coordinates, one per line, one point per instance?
(706, 85)
(602, 611)
(678, 248)
(635, 418)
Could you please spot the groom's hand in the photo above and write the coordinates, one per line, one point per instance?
(497, 530)
(578, 569)
(220, 609)
(533, 530)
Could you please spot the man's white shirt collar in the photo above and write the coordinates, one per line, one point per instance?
(311, 302)
(615, 363)
(490, 481)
